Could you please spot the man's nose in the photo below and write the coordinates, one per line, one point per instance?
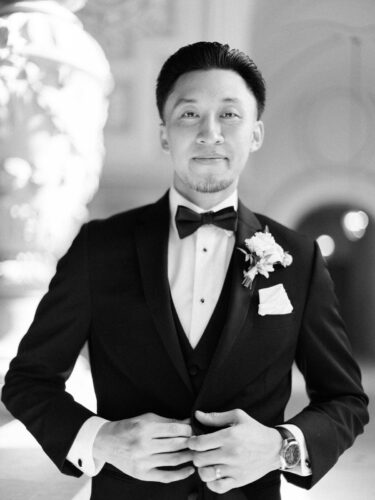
(210, 131)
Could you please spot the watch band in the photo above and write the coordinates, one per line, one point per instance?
(285, 433)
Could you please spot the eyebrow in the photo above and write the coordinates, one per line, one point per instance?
(185, 100)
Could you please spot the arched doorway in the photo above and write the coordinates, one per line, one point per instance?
(314, 202)
(347, 238)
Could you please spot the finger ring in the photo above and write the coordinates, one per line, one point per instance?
(217, 473)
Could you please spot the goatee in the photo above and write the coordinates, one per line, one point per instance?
(208, 186)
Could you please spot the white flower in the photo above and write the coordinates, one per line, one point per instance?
(263, 254)
(249, 276)
(287, 259)
(264, 267)
(260, 243)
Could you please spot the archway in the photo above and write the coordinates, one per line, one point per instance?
(347, 239)
(314, 202)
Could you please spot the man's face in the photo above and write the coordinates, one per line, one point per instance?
(210, 126)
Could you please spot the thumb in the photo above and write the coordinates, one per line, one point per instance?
(218, 419)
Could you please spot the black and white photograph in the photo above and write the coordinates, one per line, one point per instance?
(187, 249)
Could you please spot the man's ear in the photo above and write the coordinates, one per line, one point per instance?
(257, 136)
(163, 138)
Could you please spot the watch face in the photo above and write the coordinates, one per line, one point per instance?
(292, 454)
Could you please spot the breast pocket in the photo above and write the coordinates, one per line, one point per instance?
(275, 321)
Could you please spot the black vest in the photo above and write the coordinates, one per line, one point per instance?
(198, 359)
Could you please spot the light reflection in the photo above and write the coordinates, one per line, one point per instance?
(19, 170)
(27, 269)
(326, 244)
(354, 224)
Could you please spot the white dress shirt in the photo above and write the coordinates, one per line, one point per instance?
(197, 266)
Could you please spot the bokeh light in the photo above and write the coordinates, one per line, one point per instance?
(354, 224)
(326, 244)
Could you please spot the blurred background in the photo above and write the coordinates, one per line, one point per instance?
(79, 140)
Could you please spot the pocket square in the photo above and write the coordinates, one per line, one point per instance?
(274, 300)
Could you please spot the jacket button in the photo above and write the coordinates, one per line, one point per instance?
(193, 370)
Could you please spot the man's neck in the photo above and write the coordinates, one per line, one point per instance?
(205, 200)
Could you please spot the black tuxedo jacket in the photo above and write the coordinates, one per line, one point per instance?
(111, 288)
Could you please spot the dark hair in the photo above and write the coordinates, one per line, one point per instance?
(204, 56)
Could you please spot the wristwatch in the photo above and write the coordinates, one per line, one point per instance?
(290, 453)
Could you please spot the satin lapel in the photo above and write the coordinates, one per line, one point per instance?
(240, 296)
(152, 245)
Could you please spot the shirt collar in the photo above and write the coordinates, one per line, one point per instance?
(175, 199)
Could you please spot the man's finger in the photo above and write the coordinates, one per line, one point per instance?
(221, 485)
(171, 429)
(214, 473)
(164, 445)
(166, 476)
(167, 420)
(206, 442)
(171, 459)
(225, 418)
(209, 458)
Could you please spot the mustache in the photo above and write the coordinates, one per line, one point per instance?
(211, 155)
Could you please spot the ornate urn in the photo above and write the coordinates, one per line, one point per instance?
(54, 86)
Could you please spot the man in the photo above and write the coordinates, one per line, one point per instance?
(194, 309)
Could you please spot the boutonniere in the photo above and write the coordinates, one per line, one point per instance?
(262, 254)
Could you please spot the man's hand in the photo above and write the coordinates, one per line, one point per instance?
(139, 446)
(237, 455)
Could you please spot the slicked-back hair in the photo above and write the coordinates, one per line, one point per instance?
(205, 56)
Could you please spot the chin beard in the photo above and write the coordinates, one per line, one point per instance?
(211, 186)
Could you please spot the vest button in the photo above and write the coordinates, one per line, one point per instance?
(193, 495)
(193, 370)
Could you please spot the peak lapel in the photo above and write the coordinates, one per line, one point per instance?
(240, 298)
(152, 246)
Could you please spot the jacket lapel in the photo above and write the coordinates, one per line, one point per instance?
(241, 298)
(152, 233)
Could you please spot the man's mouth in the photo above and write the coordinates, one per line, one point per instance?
(210, 157)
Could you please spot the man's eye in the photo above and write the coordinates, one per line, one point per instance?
(229, 114)
(189, 114)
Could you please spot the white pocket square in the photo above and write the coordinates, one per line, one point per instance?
(274, 300)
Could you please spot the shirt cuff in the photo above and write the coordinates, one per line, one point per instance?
(304, 467)
(81, 452)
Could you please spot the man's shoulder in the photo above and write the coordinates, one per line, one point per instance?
(127, 220)
(127, 217)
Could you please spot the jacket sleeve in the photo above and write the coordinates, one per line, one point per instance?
(34, 390)
(337, 411)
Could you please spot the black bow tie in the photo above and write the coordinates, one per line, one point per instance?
(188, 221)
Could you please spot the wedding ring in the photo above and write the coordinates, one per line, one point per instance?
(217, 473)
